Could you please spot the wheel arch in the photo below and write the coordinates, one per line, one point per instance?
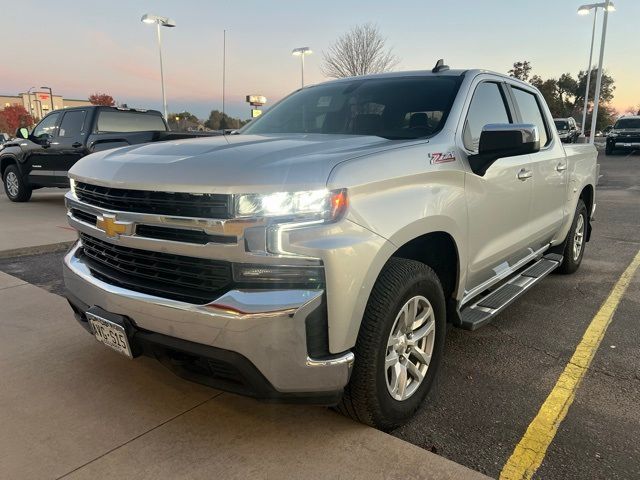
(5, 161)
(439, 251)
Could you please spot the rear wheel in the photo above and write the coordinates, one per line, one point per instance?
(576, 239)
(14, 186)
(399, 347)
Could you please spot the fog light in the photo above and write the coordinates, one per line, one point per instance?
(278, 275)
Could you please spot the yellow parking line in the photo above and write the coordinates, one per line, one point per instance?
(530, 451)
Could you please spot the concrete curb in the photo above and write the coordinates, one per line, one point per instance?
(21, 252)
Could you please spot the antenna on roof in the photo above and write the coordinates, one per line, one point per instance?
(440, 66)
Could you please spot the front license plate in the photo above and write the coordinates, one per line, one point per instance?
(110, 333)
(627, 144)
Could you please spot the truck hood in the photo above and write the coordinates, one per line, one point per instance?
(229, 164)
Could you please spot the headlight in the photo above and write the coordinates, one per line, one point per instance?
(309, 205)
(613, 134)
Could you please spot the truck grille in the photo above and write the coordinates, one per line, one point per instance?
(186, 279)
(206, 205)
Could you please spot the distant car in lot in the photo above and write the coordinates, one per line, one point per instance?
(43, 157)
(625, 135)
(567, 129)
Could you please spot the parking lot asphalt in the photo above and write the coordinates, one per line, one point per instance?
(494, 380)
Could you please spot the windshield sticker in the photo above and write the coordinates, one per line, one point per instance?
(324, 102)
(442, 157)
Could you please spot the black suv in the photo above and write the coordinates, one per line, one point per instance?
(625, 135)
(567, 129)
(43, 157)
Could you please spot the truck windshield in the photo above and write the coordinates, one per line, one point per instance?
(393, 108)
(561, 124)
(118, 121)
(627, 123)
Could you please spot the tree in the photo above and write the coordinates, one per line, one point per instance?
(565, 95)
(219, 121)
(521, 70)
(183, 121)
(102, 99)
(14, 117)
(606, 90)
(360, 51)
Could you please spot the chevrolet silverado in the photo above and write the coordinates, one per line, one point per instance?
(319, 254)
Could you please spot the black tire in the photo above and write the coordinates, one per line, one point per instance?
(569, 261)
(12, 180)
(608, 150)
(367, 398)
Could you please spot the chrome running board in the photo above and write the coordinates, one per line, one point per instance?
(482, 310)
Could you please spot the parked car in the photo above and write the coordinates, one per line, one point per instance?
(625, 135)
(43, 157)
(567, 129)
(318, 254)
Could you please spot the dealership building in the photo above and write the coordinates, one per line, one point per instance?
(38, 104)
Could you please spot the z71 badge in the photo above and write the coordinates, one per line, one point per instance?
(442, 157)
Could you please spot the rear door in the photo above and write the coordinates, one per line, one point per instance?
(498, 203)
(548, 166)
(71, 139)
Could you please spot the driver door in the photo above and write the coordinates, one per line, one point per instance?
(499, 202)
(42, 153)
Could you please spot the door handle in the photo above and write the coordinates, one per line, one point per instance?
(524, 174)
(76, 145)
(561, 167)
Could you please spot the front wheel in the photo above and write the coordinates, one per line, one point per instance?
(608, 150)
(14, 185)
(576, 239)
(399, 348)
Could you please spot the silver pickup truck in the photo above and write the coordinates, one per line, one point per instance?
(318, 254)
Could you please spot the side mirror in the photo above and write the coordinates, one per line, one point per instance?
(22, 133)
(499, 140)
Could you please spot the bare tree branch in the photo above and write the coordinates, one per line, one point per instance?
(360, 51)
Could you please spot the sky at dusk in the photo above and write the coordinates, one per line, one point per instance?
(79, 48)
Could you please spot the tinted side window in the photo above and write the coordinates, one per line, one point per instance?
(119, 121)
(531, 112)
(72, 123)
(487, 106)
(47, 126)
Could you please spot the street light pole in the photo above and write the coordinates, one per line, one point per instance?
(586, 93)
(160, 22)
(164, 95)
(596, 101)
(301, 52)
(30, 104)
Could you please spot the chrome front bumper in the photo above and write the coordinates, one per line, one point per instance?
(266, 327)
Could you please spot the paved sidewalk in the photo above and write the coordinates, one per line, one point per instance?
(71, 408)
(37, 225)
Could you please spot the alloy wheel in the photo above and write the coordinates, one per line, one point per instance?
(11, 181)
(410, 347)
(578, 237)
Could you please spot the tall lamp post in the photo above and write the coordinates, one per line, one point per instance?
(50, 96)
(301, 52)
(607, 6)
(160, 22)
(30, 104)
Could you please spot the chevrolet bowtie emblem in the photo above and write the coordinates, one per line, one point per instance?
(109, 225)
